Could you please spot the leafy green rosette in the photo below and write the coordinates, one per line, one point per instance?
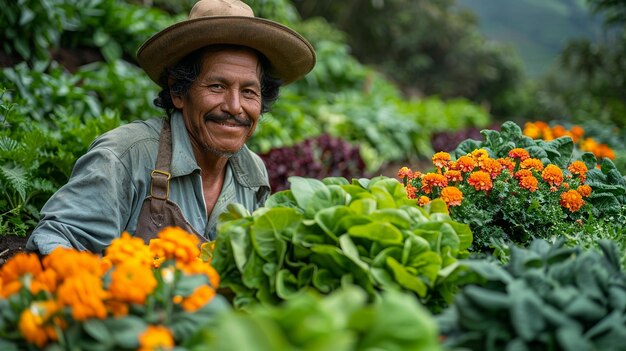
(331, 233)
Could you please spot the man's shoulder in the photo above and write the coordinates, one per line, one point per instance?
(123, 138)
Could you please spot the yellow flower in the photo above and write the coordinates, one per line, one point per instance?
(200, 267)
(127, 248)
(156, 337)
(47, 280)
(572, 200)
(175, 243)
(552, 175)
(200, 297)
(480, 180)
(452, 196)
(21, 265)
(34, 323)
(532, 130)
(83, 292)
(132, 282)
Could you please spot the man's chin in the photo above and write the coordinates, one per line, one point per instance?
(222, 152)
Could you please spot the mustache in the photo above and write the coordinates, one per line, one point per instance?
(226, 117)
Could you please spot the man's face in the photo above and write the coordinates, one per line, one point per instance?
(223, 106)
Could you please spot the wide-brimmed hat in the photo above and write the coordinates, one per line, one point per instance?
(227, 22)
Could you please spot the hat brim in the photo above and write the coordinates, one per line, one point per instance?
(290, 55)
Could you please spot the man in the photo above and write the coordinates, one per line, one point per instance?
(219, 70)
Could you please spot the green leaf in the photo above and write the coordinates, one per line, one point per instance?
(406, 279)
(125, 330)
(286, 284)
(398, 217)
(526, 307)
(384, 233)
(329, 220)
(303, 190)
(186, 285)
(272, 227)
(351, 252)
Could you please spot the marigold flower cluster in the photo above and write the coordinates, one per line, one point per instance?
(541, 130)
(476, 173)
(69, 287)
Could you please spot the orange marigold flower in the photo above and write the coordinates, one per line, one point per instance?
(480, 180)
(507, 163)
(69, 262)
(584, 190)
(529, 183)
(83, 292)
(532, 130)
(431, 180)
(491, 166)
(452, 196)
(132, 282)
(465, 164)
(34, 323)
(423, 200)
(117, 308)
(156, 337)
(18, 266)
(519, 153)
(175, 243)
(532, 163)
(453, 176)
(126, 248)
(523, 173)
(479, 155)
(405, 172)
(578, 168)
(200, 297)
(577, 133)
(559, 131)
(603, 151)
(410, 191)
(572, 200)
(200, 267)
(552, 175)
(441, 159)
(47, 280)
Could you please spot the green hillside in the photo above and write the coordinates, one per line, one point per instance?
(538, 29)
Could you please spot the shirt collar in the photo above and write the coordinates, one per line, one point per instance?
(246, 170)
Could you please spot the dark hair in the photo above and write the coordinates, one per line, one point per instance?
(186, 71)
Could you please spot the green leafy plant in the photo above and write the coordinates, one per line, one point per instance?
(326, 234)
(548, 297)
(341, 321)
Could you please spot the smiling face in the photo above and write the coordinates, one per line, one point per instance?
(223, 105)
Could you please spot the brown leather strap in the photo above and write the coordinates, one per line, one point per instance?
(160, 183)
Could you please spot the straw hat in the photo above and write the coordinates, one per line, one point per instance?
(227, 22)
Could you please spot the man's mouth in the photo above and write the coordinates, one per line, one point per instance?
(228, 121)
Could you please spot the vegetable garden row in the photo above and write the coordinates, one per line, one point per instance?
(512, 239)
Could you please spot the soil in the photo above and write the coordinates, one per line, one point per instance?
(11, 245)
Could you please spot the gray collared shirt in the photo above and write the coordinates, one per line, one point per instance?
(103, 197)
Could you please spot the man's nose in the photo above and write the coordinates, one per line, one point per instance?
(232, 103)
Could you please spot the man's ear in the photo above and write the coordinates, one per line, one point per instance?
(176, 99)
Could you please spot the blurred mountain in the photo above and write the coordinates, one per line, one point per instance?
(538, 29)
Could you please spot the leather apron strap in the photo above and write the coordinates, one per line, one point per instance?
(157, 211)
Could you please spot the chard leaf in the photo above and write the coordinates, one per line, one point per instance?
(286, 284)
(384, 233)
(414, 246)
(324, 281)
